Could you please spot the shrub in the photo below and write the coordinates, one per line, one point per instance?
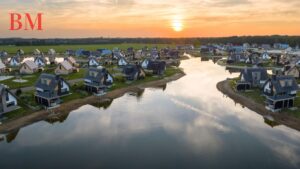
(18, 92)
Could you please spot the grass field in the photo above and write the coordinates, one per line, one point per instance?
(63, 48)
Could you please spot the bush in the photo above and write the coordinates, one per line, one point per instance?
(18, 92)
(119, 79)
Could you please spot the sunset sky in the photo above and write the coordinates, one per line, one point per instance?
(152, 18)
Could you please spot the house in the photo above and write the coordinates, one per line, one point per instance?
(133, 72)
(40, 61)
(28, 67)
(281, 45)
(122, 62)
(265, 56)
(252, 77)
(292, 71)
(130, 53)
(254, 59)
(157, 67)
(14, 61)
(70, 52)
(49, 89)
(8, 101)
(36, 52)
(64, 68)
(174, 54)
(236, 58)
(51, 52)
(93, 62)
(116, 55)
(3, 54)
(78, 52)
(20, 52)
(154, 54)
(72, 61)
(86, 53)
(97, 80)
(266, 46)
(2, 67)
(280, 92)
(106, 52)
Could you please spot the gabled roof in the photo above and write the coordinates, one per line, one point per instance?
(248, 72)
(70, 59)
(53, 81)
(156, 65)
(66, 65)
(284, 83)
(95, 74)
(31, 64)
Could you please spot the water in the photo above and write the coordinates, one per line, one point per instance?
(186, 124)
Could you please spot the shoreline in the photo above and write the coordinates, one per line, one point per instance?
(281, 118)
(75, 104)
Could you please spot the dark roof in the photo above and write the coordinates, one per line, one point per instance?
(248, 72)
(54, 80)
(97, 75)
(284, 83)
(156, 65)
(131, 69)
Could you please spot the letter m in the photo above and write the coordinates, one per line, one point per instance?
(37, 22)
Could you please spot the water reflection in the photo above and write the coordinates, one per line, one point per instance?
(189, 124)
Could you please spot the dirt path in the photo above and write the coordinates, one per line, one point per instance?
(75, 104)
(281, 118)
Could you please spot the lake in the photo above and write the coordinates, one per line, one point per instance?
(186, 124)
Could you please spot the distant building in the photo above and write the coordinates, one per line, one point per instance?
(64, 68)
(14, 61)
(28, 67)
(92, 62)
(122, 62)
(2, 67)
(40, 61)
(281, 46)
(51, 52)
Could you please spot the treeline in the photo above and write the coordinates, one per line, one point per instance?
(236, 40)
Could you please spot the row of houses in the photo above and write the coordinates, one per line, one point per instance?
(280, 91)
(50, 88)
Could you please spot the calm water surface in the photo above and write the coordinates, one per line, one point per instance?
(186, 124)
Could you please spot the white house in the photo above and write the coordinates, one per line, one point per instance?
(93, 62)
(36, 52)
(14, 61)
(51, 52)
(122, 62)
(265, 56)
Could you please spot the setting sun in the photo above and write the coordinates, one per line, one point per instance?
(177, 25)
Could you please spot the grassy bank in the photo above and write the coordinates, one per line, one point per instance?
(28, 105)
(256, 95)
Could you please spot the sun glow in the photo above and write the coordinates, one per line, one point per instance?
(177, 25)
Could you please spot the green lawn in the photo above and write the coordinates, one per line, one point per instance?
(257, 96)
(63, 48)
(31, 79)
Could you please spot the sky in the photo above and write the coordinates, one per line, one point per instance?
(155, 18)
